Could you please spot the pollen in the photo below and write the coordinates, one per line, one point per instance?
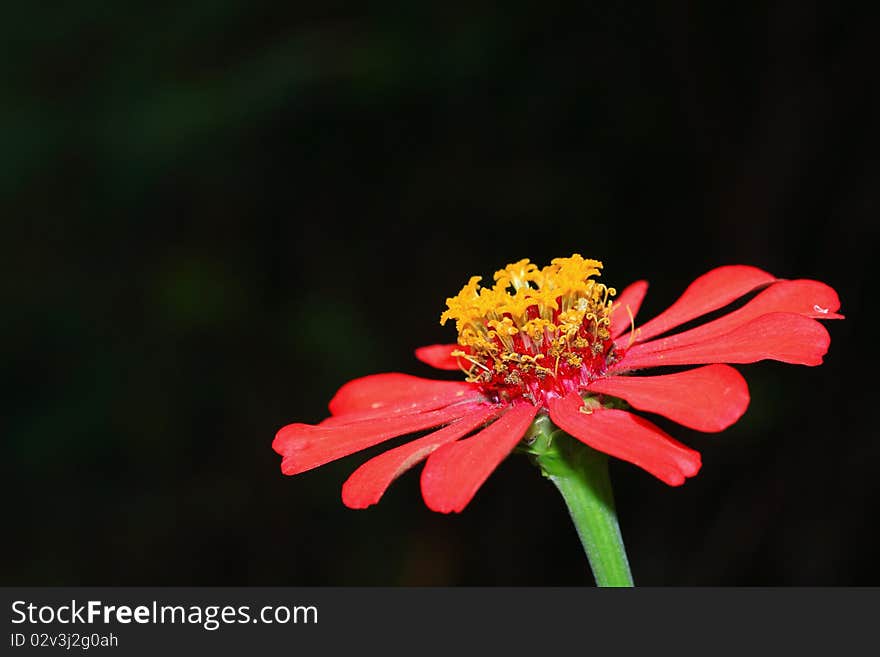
(536, 331)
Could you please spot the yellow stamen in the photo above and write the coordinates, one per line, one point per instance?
(530, 313)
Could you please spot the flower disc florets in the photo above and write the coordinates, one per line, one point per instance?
(536, 332)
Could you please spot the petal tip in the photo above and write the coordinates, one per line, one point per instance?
(353, 500)
(289, 467)
(439, 356)
(285, 437)
(687, 468)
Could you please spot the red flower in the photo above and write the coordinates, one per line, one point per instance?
(558, 344)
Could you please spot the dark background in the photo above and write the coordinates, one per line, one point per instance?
(216, 214)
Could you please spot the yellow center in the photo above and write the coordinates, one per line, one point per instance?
(533, 323)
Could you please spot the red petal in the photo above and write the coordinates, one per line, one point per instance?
(306, 446)
(385, 392)
(439, 356)
(632, 296)
(708, 398)
(803, 297)
(369, 482)
(711, 291)
(411, 408)
(455, 472)
(628, 437)
(785, 337)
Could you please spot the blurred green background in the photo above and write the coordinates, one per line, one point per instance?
(215, 214)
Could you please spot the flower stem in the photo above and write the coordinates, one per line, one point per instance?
(581, 475)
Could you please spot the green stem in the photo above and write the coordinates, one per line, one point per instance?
(581, 475)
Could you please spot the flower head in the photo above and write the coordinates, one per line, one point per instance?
(554, 341)
(549, 335)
